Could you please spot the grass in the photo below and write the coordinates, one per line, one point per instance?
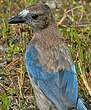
(73, 21)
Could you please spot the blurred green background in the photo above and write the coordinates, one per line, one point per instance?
(73, 18)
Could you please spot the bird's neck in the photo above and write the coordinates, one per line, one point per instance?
(49, 32)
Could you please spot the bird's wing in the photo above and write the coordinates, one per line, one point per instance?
(58, 84)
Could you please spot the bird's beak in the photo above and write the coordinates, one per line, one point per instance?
(16, 20)
(21, 18)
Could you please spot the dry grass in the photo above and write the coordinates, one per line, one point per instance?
(74, 22)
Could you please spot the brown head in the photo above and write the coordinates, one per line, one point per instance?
(39, 17)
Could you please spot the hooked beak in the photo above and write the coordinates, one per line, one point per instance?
(16, 20)
(19, 18)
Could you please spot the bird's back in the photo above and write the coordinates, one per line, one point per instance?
(53, 52)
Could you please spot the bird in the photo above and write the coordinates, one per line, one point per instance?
(48, 61)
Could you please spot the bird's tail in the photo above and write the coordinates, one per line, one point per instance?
(80, 105)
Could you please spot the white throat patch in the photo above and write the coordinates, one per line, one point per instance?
(24, 13)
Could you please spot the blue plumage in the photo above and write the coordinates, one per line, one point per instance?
(60, 87)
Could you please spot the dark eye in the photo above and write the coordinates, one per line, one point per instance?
(35, 16)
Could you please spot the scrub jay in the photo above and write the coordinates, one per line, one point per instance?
(48, 62)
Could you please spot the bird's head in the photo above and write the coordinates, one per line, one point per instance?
(39, 17)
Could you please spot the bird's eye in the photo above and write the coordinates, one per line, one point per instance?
(35, 16)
